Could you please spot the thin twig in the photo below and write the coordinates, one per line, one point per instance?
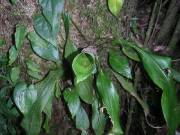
(151, 24)
(156, 22)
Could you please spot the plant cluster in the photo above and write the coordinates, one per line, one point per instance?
(90, 84)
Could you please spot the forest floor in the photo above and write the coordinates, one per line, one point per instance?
(92, 25)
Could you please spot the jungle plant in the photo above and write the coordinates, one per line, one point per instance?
(90, 84)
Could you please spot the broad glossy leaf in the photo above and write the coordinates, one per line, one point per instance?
(82, 120)
(169, 104)
(13, 54)
(33, 119)
(98, 119)
(70, 51)
(43, 48)
(155, 69)
(131, 53)
(44, 30)
(2, 42)
(115, 6)
(20, 36)
(52, 10)
(83, 66)
(85, 90)
(120, 64)
(130, 49)
(163, 61)
(72, 98)
(110, 99)
(128, 86)
(24, 97)
(14, 74)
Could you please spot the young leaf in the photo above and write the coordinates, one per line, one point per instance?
(82, 120)
(24, 97)
(52, 10)
(120, 64)
(13, 54)
(72, 98)
(43, 48)
(44, 30)
(85, 90)
(110, 99)
(98, 119)
(14, 74)
(70, 51)
(20, 36)
(83, 66)
(66, 20)
(115, 6)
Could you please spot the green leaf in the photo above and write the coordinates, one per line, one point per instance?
(120, 64)
(13, 54)
(169, 105)
(43, 48)
(32, 65)
(82, 120)
(131, 53)
(83, 66)
(128, 86)
(175, 75)
(115, 6)
(110, 99)
(33, 119)
(51, 11)
(98, 119)
(66, 20)
(57, 92)
(155, 66)
(44, 30)
(14, 74)
(85, 90)
(33, 69)
(24, 97)
(20, 36)
(2, 42)
(70, 51)
(72, 98)
(13, 2)
(34, 74)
